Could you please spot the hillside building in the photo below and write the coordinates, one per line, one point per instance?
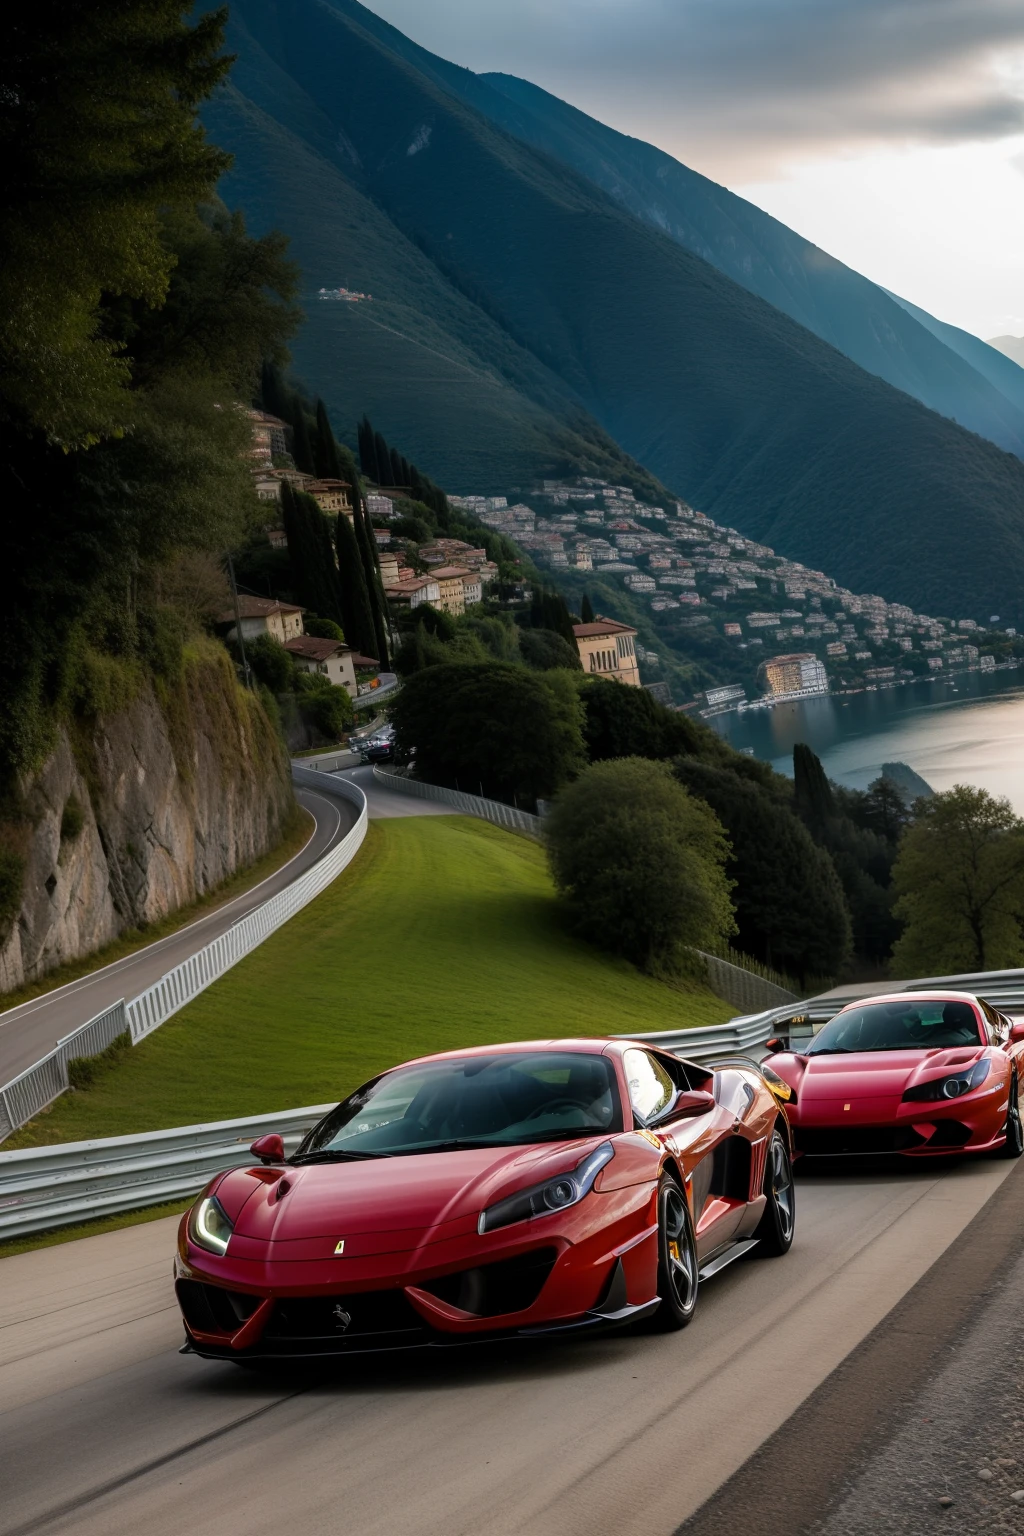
(798, 675)
(607, 649)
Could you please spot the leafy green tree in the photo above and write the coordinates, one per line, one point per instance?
(629, 722)
(640, 862)
(548, 611)
(489, 726)
(586, 610)
(791, 912)
(959, 880)
(100, 138)
(544, 649)
(356, 615)
(88, 530)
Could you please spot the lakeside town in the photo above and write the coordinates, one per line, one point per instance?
(794, 632)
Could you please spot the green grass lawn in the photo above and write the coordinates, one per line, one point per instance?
(443, 932)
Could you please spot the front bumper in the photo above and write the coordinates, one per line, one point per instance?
(973, 1124)
(227, 1325)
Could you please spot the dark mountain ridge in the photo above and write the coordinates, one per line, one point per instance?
(573, 311)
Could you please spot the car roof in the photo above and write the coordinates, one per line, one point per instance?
(596, 1046)
(931, 995)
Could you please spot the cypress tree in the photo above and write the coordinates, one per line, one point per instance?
(814, 799)
(328, 462)
(396, 467)
(302, 447)
(383, 453)
(314, 577)
(586, 610)
(357, 621)
(371, 568)
(368, 451)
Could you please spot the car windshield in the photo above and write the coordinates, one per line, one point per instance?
(898, 1026)
(472, 1101)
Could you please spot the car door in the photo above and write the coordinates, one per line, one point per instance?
(716, 1157)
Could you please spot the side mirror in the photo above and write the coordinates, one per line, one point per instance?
(695, 1103)
(269, 1149)
(1016, 1031)
(774, 1045)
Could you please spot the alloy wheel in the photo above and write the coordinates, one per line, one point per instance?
(781, 1185)
(679, 1248)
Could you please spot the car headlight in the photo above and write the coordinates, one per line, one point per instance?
(949, 1087)
(783, 1091)
(209, 1225)
(554, 1194)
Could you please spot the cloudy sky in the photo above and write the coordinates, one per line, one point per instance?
(889, 131)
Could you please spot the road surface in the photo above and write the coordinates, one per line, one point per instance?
(105, 1427)
(28, 1032)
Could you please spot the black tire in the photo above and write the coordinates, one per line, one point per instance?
(678, 1277)
(1013, 1146)
(778, 1223)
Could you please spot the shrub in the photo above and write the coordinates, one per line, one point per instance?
(271, 664)
(72, 820)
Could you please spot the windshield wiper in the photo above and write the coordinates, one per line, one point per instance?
(335, 1155)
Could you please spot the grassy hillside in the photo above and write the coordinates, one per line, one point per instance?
(726, 399)
(443, 932)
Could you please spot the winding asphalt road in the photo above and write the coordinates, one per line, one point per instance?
(104, 1427)
(29, 1031)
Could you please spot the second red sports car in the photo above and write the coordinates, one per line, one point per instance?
(917, 1073)
(514, 1190)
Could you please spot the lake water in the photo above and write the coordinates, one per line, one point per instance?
(967, 730)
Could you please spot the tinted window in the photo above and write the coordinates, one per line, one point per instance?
(651, 1090)
(916, 1024)
(476, 1101)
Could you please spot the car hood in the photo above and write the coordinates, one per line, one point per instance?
(868, 1074)
(408, 1194)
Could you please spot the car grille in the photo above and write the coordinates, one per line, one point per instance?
(211, 1309)
(950, 1133)
(324, 1324)
(842, 1141)
(489, 1290)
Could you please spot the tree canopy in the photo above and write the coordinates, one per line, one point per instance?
(491, 728)
(100, 139)
(640, 862)
(959, 880)
(790, 909)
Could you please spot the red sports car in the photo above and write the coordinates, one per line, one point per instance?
(915, 1072)
(513, 1190)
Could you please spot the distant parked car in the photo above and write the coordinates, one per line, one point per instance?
(382, 752)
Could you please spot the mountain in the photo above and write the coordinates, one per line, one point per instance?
(1011, 347)
(945, 368)
(855, 315)
(521, 315)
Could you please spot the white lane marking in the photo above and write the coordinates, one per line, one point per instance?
(24, 1010)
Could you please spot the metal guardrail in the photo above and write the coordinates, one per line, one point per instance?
(63, 1185)
(47, 1079)
(470, 805)
(55, 1186)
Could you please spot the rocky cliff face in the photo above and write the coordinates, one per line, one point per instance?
(138, 813)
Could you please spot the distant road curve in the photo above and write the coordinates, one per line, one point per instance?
(29, 1031)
